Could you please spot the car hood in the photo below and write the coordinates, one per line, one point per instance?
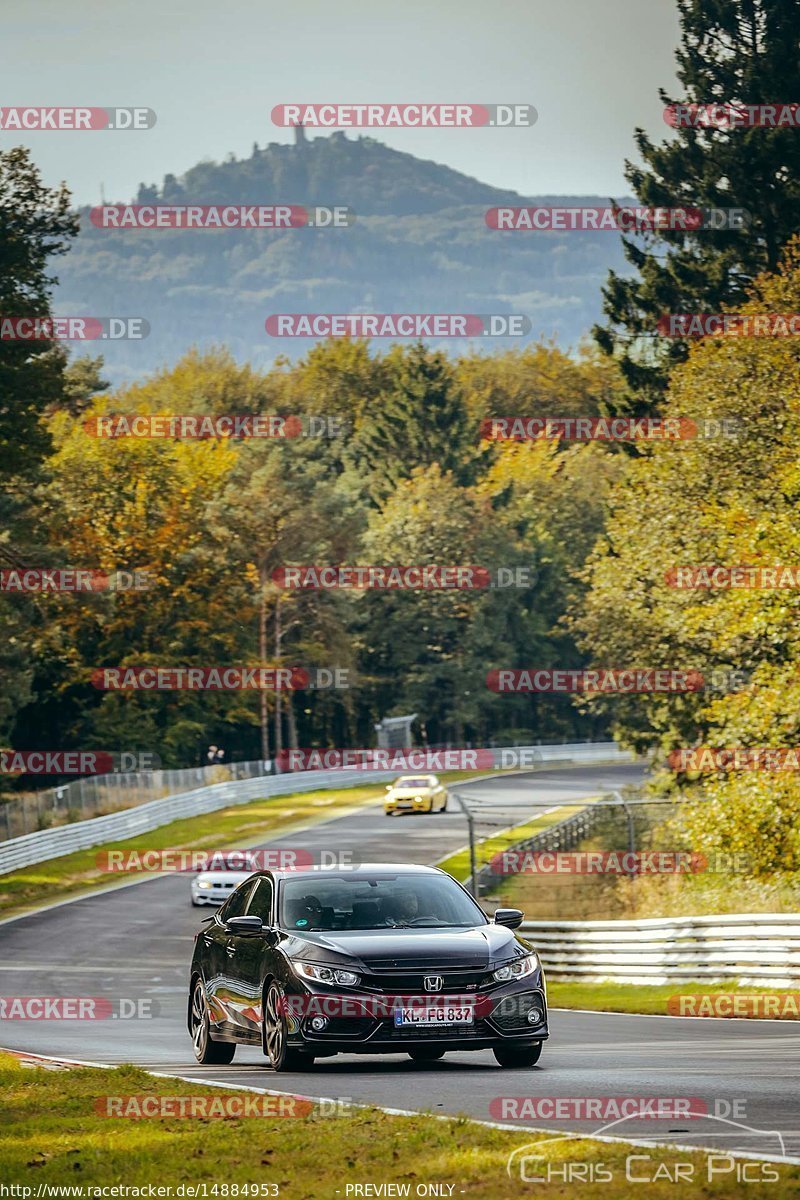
(403, 793)
(474, 948)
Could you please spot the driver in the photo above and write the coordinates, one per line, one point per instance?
(406, 908)
(307, 912)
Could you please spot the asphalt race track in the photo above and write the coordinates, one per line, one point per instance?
(135, 942)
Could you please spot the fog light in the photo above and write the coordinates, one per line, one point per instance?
(534, 1016)
(319, 1023)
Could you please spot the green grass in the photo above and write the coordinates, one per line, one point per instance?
(239, 826)
(612, 898)
(52, 1135)
(636, 998)
(458, 864)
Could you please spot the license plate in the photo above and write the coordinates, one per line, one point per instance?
(442, 1014)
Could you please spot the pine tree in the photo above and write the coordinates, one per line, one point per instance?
(35, 225)
(420, 420)
(732, 52)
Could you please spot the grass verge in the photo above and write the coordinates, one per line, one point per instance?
(54, 1137)
(609, 897)
(240, 826)
(655, 1000)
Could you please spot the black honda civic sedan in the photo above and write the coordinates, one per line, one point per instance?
(380, 959)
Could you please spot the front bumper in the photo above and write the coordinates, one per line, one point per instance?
(500, 1018)
(215, 896)
(408, 804)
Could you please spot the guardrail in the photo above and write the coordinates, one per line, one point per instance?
(752, 949)
(531, 756)
(53, 843)
(98, 795)
(45, 844)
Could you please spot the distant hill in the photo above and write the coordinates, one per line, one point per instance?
(419, 244)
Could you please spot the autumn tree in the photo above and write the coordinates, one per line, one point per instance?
(725, 497)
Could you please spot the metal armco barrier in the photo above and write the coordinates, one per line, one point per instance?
(752, 949)
(53, 843)
(45, 844)
(568, 752)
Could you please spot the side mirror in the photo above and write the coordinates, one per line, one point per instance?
(510, 917)
(244, 926)
(388, 787)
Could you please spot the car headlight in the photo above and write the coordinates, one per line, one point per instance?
(517, 968)
(322, 974)
(204, 883)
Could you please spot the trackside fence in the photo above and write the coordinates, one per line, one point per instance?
(52, 843)
(44, 844)
(97, 795)
(751, 949)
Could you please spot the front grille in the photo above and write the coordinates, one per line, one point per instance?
(430, 1033)
(511, 1014)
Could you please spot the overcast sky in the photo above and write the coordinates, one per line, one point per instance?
(213, 69)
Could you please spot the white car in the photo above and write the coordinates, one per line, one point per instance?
(214, 887)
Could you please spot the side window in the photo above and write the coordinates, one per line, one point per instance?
(261, 901)
(235, 906)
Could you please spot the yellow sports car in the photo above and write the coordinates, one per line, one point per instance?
(415, 793)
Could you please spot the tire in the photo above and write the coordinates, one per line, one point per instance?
(426, 1054)
(279, 1055)
(518, 1056)
(205, 1049)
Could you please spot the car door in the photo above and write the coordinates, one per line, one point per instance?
(246, 957)
(217, 958)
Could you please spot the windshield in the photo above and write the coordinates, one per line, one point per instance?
(413, 782)
(376, 902)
